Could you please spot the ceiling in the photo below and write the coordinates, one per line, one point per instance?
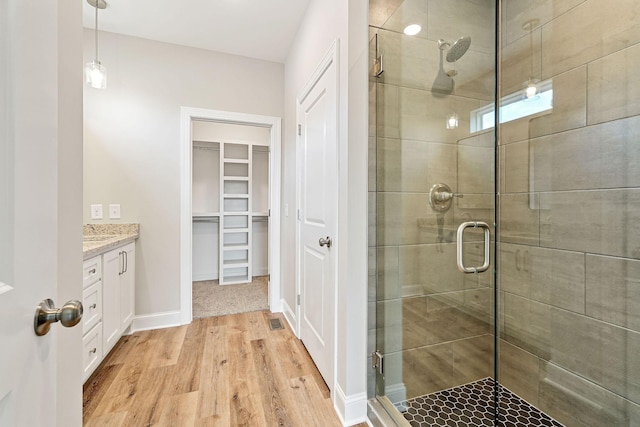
(262, 29)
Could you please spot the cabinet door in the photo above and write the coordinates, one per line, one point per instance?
(111, 273)
(127, 287)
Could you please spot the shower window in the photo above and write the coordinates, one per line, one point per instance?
(513, 107)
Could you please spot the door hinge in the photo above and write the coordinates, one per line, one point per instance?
(299, 214)
(299, 130)
(376, 361)
(298, 299)
(269, 212)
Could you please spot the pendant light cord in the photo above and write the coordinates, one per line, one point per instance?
(530, 49)
(96, 33)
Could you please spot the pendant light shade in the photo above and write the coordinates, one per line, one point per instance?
(96, 73)
(531, 89)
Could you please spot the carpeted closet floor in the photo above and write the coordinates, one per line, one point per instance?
(211, 299)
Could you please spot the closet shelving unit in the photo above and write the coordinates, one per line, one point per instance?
(235, 213)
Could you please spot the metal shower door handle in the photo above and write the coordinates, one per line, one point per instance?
(459, 241)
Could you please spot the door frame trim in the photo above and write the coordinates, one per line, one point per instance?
(187, 116)
(332, 56)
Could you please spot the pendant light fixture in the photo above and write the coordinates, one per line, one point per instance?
(95, 72)
(531, 89)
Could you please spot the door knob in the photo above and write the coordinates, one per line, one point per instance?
(324, 242)
(69, 315)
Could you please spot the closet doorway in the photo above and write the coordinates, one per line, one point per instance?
(230, 246)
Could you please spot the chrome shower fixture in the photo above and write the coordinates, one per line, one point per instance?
(457, 49)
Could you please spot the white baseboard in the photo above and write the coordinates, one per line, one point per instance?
(205, 276)
(264, 271)
(350, 409)
(145, 322)
(290, 315)
(199, 277)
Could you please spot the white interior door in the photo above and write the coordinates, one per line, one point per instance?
(317, 114)
(32, 226)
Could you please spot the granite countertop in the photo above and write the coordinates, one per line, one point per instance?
(100, 238)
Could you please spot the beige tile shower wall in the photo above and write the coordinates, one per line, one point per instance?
(569, 213)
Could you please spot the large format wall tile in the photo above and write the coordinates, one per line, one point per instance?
(574, 401)
(387, 111)
(527, 324)
(475, 170)
(588, 32)
(569, 104)
(607, 222)
(423, 115)
(550, 276)
(613, 290)
(601, 156)
(432, 268)
(517, 12)
(407, 12)
(519, 371)
(453, 19)
(472, 359)
(427, 369)
(456, 315)
(409, 61)
(415, 325)
(516, 167)
(406, 218)
(389, 325)
(516, 130)
(614, 86)
(372, 216)
(603, 353)
(518, 221)
(415, 166)
(373, 164)
(381, 10)
(387, 278)
(373, 271)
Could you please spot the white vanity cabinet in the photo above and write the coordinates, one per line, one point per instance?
(118, 293)
(92, 315)
(109, 303)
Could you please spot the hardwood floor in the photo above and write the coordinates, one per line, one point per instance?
(219, 371)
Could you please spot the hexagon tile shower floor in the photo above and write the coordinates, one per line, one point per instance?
(469, 405)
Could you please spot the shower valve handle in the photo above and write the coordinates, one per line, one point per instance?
(444, 196)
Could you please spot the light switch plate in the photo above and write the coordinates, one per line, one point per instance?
(114, 211)
(96, 211)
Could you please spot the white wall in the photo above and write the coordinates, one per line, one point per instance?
(131, 140)
(325, 21)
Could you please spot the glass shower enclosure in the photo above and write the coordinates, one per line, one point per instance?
(504, 262)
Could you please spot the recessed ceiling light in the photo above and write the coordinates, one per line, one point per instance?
(412, 30)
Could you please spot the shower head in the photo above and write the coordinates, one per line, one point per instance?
(458, 49)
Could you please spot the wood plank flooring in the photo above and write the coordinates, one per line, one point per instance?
(219, 371)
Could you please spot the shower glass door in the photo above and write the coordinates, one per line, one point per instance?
(432, 170)
(555, 318)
